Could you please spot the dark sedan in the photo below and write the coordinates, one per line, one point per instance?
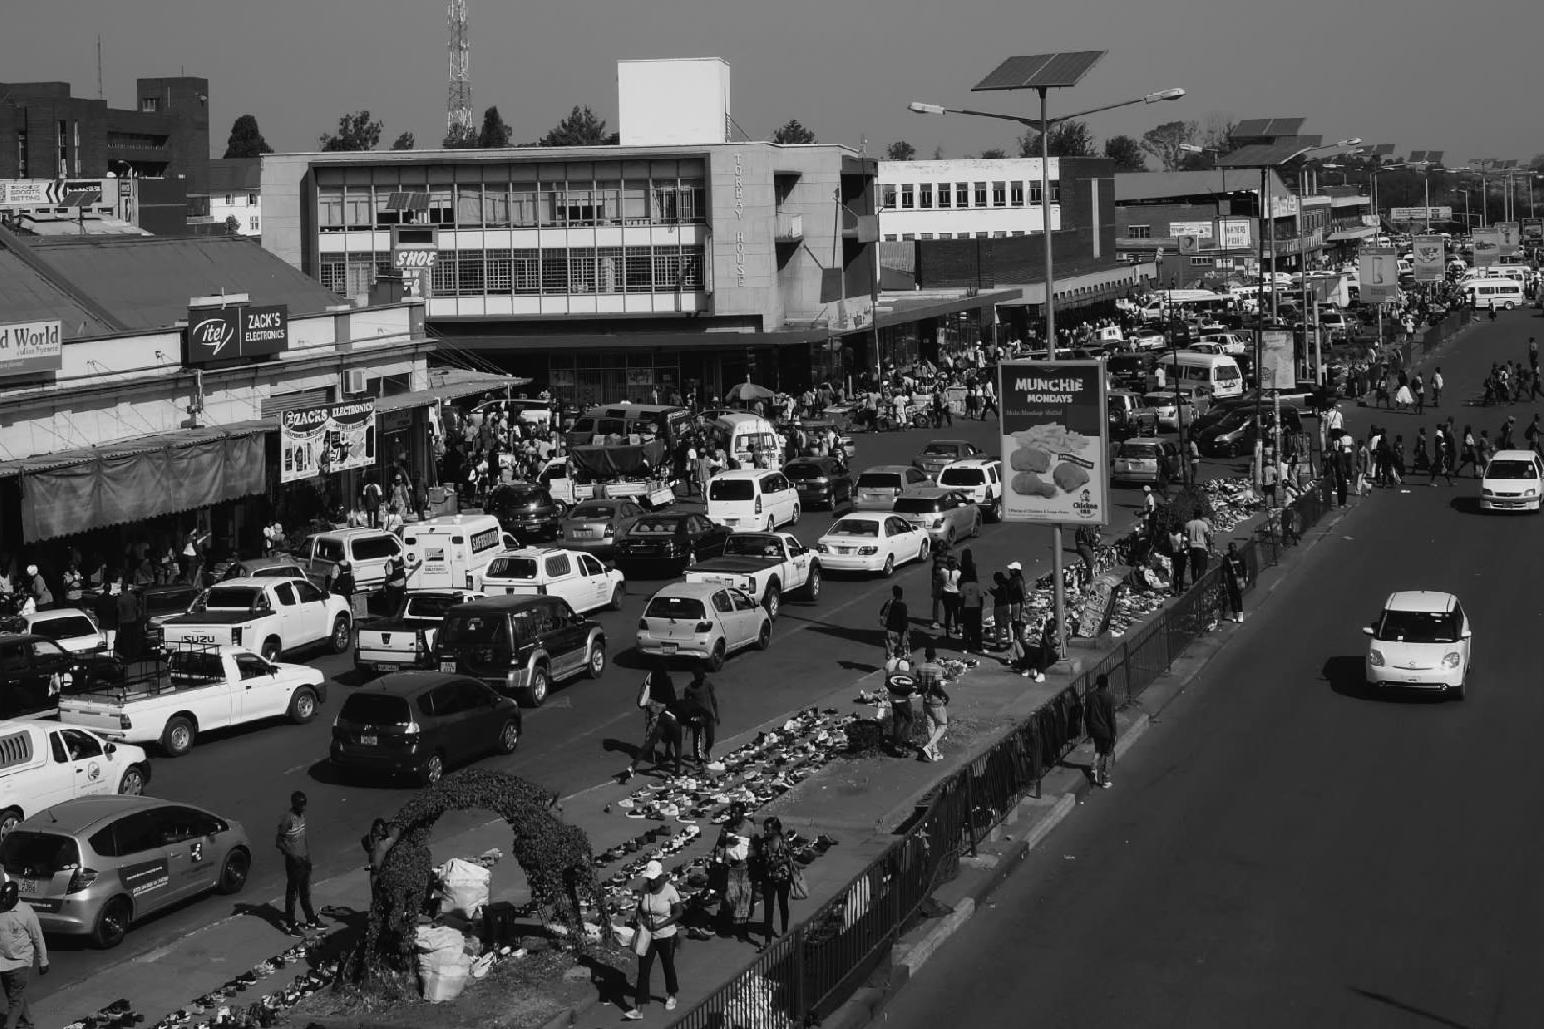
(821, 481)
(676, 539)
(595, 525)
(525, 511)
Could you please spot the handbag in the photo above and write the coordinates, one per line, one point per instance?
(642, 939)
(798, 889)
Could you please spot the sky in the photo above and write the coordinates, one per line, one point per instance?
(1404, 72)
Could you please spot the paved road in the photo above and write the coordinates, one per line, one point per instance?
(1284, 849)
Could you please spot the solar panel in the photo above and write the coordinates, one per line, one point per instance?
(1267, 128)
(1417, 157)
(1263, 155)
(1434, 156)
(1040, 71)
(1381, 149)
(1507, 164)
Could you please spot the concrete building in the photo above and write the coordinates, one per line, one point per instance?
(965, 198)
(235, 192)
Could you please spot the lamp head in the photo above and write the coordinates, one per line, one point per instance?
(918, 107)
(1164, 94)
(1191, 148)
(1353, 141)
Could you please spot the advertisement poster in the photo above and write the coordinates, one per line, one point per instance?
(1429, 258)
(1487, 246)
(27, 348)
(1055, 452)
(321, 440)
(233, 333)
(1276, 360)
(1508, 239)
(1236, 234)
(1379, 274)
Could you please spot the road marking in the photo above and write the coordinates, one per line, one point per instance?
(297, 768)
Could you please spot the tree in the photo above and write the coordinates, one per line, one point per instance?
(1126, 153)
(995, 153)
(793, 132)
(458, 138)
(900, 150)
(580, 128)
(355, 132)
(1067, 139)
(404, 142)
(495, 133)
(246, 139)
(1217, 134)
(1162, 141)
(233, 224)
(938, 153)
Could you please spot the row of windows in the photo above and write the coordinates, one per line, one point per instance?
(230, 200)
(533, 272)
(909, 236)
(927, 196)
(519, 205)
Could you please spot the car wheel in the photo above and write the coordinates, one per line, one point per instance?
(509, 738)
(595, 667)
(177, 737)
(796, 512)
(617, 596)
(1507, 306)
(8, 821)
(995, 512)
(771, 525)
(773, 601)
(764, 638)
(112, 923)
(1461, 691)
(716, 658)
(342, 635)
(131, 785)
(812, 585)
(233, 874)
(536, 692)
(889, 568)
(433, 769)
(271, 649)
(302, 706)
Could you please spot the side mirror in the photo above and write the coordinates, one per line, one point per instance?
(1466, 634)
(110, 749)
(1368, 630)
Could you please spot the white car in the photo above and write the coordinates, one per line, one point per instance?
(1170, 413)
(704, 621)
(1229, 343)
(577, 577)
(1511, 482)
(70, 627)
(269, 616)
(1421, 640)
(981, 480)
(872, 541)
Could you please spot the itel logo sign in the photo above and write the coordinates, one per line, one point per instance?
(235, 333)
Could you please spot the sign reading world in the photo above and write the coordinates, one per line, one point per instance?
(27, 348)
(218, 334)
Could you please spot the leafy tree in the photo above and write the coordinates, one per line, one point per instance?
(1067, 139)
(938, 153)
(995, 153)
(1126, 153)
(793, 132)
(1217, 134)
(1162, 141)
(355, 132)
(233, 224)
(495, 133)
(404, 142)
(580, 128)
(246, 139)
(458, 138)
(900, 150)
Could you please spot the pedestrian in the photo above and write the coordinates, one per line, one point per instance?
(1150, 511)
(900, 690)
(342, 583)
(658, 913)
(291, 843)
(1503, 442)
(1050, 645)
(1193, 455)
(1020, 593)
(1002, 601)
(1436, 386)
(988, 400)
(1531, 434)
(22, 949)
(105, 608)
(37, 588)
(131, 623)
(897, 622)
(370, 500)
(1178, 557)
(193, 551)
(702, 700)
(74, 582)
(940, 579)
(377, 843)
(1023, 654)
(273, 537)
(1085, 540)
(935, 704)
(732, 856)
(394, 585)
(1101, 729)
(1418, 387)
(665, 731)
(972, 603)
(1235, 575)
(1198, 540)
(773, 862)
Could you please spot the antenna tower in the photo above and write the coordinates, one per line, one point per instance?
(458, 105)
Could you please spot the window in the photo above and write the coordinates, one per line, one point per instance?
(1139, 232)
(358, 209)
(1056, 191)
(581, 271)
(149, 104)
(908, 237)
(589, 566)
(1015, 194)
(253, 223)
(887, 201)
(891, 237)
(558, 566)
(1201, 262)
(608, 269)
(925, 196)
(980, 194)
(667, 269)
(999, 194)
(131, 834)
(946, 235)
(926, 235)
(945, 194)
(230, 200)
(74, 745)
(742, 602)
(329, 211)
(525, 270)
(498, 277)
(1035, 193)
(908, 199)
(251, 666)
(469, 205)
(181, 824)
(722, 602)
(469, 272)
(961, 194)
(308, 592)
(251, 199)
(554, 272)
(286, 594)
(638, 269)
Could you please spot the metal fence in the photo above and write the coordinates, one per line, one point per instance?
(804, 976)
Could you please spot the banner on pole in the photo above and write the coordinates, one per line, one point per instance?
(1054, 442)
(1277, 364)
(1508, 239)
(321, 440)
(1429, 258)
(1487, 246)
(1379, 274)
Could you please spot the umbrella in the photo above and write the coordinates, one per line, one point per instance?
(750, 391)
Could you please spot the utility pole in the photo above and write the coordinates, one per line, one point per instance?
(458, 104)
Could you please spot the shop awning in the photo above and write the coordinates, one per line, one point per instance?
(452, 387)
(1347, 235)
(75, 491)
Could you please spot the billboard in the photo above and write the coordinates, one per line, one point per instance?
(1236, 234)
(1378, 271)
(234, 333)
(321, 440)
(1429, 256)
(1055, 449)
(1421, 214)
(1277, 364)
(1509, 239)
(27, 348)
(1487, 246)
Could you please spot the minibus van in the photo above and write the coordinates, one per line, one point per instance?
(1504, 293)
(1217, 374)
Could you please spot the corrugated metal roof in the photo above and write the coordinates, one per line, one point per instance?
(26, 296)
(1133, 186)
(146, 283)
(235, 175)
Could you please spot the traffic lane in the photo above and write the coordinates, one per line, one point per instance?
(1285, 849)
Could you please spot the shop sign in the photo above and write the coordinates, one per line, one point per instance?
(322, 440)
(1235, 233)
(1201, 230)
(27, 348)
(1054, 442)
(234, 333)
(411, 257)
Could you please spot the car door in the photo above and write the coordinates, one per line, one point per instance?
(186, 841)
(51, 783)
(907, 541)
(708, 536)
(563, 578)
(447, 720)
(86, 760)
(133, 844)
(569, 632)
(747, 618)
(258, 694)
(312, 617)
(722, 606)
(597, 587)
(290, 615)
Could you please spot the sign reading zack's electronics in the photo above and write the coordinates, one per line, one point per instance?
(234, 333)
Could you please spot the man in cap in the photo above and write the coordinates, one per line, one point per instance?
(21, 948)
(1018, 593)
(38, 588)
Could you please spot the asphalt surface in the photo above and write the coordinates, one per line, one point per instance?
(1285, 848)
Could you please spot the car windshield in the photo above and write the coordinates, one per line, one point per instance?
(879, 480)
(654, 527)
(1160, 399)
(472, 629)
(593, 512)
(430, 605)
(515, 496)
(375, 709)
(1226, 372)
(753, 544)
(1418, 627)
(675, 607)
(1496, 470)
(512, 568)
(38, 855)
(64, 628)
(1138, 451)
(941, 449)
(918, 505)
(731, 489)
(372, 548)
(278, 572)
(230, 598)
(855, 527)
(962, 477)
(803, 470)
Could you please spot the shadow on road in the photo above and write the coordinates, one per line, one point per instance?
(1465, 505)
(1399, 1005)
(1347, 676)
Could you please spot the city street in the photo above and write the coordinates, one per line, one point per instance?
(1284, 849)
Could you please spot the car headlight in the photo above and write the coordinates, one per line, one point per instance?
(1487, 492)
(868, 551)
(1375, 658)
(1451, 659)
(1530, 492)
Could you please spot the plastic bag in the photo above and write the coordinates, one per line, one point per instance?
(443, 964)
(464, 888)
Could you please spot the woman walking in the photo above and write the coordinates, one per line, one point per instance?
(658, 913)
(1235, 575)
(935, 705)
(951, 593)
(774, 872)
(732, 853)
(1101, 729)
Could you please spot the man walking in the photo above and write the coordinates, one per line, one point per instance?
(21, 947)
(1234, 576)
(702, 699)
(896, 620)
(291, 842)
(1436, 386)
(1101, 729)
(1198, 539)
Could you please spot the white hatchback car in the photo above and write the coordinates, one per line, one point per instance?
(704, 621)
(872, 541)
(981, 480)
(577, 577)
(73, 629)
(1512, 481)
(1421, 640)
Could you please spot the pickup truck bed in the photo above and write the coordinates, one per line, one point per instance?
(788, 568)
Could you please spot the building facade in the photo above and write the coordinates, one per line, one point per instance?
(235, 196)
(965, 198)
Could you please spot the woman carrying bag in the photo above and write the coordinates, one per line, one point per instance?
(776, 872)
(657, 916)
(732, 854)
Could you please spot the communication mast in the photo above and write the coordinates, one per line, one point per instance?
(458, 106)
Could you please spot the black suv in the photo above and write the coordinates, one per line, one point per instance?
(419, 723)
(520, 645)
(525, 511)
(35, 670)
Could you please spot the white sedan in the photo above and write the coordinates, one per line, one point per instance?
(1512, 482)
(1421, 640)
(73, 629)
(703, 621)
(871, 541)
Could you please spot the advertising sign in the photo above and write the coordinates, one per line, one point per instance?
(1201, 230)
(1533, 230)
(27, 348)
(407, 257)
(1508, 239)
(1421, 214)
(234, 333)
(321, 440)
(1378, 271)
(1236, 234)
(1054, 442)
(1487, 246)
(1188, 244)
(1277, 364)
(1429, 258)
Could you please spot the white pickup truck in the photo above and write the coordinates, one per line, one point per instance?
(406, 638)
(196, 689)
(767, 565)
(269, 616)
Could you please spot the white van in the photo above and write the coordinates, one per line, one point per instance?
(1518, 273)
(1217, 374)
(1177, 303)
(1504, 293)
(367, 551)
(741, 435)
(45, 763)
(751, 499)
(454, 551)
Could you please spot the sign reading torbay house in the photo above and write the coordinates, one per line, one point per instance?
(234, 333)
(30, 348)
(320, 440)
(1054, 442)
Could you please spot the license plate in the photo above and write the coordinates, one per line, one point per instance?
(368, 741)
(669, 648)
(27, 886)
(447, 666)
(388, 668)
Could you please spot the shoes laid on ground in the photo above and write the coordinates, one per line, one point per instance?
(935, 626)
(315, 923)
(1024, 675)
(1040, 677)
(632, 1015)
(670, 1003)
(295, 929)
(1106, 784)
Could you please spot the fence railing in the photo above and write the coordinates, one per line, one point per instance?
(804, 976)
